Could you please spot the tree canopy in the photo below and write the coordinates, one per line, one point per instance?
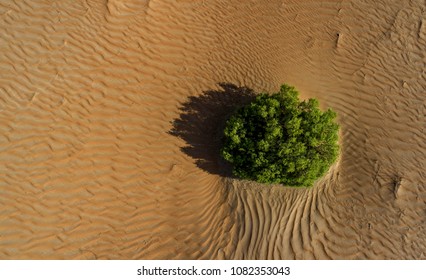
(279, 139)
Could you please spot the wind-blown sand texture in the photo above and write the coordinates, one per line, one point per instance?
(110, 120)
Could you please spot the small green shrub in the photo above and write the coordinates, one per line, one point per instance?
(278, 139)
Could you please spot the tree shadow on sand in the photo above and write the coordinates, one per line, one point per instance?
(202, 121)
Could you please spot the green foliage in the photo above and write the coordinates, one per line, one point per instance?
(278, 139)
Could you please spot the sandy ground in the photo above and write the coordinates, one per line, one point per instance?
(110, 120)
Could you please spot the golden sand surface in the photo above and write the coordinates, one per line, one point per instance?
(109, 120)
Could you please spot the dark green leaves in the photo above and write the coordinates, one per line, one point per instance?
(278, 139)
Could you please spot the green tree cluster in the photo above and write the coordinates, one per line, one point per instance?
(279, 139)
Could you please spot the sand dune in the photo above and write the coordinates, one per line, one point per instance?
(110, 122)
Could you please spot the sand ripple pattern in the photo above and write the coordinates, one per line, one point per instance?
(89, 91)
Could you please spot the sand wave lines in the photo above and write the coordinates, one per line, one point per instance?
(111, 117)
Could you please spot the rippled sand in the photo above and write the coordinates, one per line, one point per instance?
(110, 122)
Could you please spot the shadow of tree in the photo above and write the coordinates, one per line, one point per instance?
(202, 121)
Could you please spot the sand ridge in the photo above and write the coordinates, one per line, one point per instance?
(90, 92)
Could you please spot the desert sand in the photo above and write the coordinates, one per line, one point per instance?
(111, 112)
